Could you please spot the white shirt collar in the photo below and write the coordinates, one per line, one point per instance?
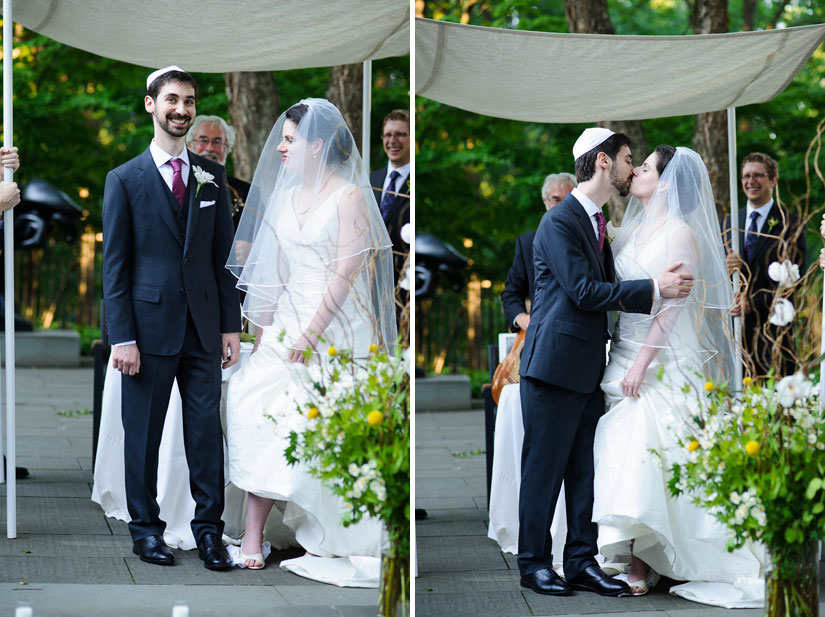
(161, 157)
(591, 208)
(403, 171)
(762, 210)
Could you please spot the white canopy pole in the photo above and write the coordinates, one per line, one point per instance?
(366, 108)
(734, 236)
(8, 257)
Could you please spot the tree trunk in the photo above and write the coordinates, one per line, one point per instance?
(748, 14)
(710, 134)
(253, 109)
(345, 91)
(592, 17)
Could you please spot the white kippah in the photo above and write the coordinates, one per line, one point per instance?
(588, 140)
(153, 76)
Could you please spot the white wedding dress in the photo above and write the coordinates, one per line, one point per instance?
(672, 535)
(261, 409)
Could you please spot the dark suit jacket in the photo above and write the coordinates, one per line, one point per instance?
(151, 276)
(565, 343)
(520, 280)
(761, 288)
(397, 217)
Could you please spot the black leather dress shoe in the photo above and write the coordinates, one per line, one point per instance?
(152, 549)
(546, 581)
(593, 578)
(213, 552)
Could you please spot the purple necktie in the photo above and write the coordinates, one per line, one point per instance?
(602, 223)
(750, 237)
(388, 196)
(178, 187)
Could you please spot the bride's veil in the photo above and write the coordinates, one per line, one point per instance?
(681, 220)
(322, 162)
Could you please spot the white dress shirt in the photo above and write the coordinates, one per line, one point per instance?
(763, 215)
(403, 174)
(162, 159)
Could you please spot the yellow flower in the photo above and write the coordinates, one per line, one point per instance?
(752, 447)
(373, 348)
(375, 417)
(746, 381)
(693, 445)
(313, 413)
(332, 351)
(709, 387)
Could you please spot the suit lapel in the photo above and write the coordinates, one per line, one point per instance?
(194, 209)
(762, 241)
(158, 193)
(740, 230)
(587, 229)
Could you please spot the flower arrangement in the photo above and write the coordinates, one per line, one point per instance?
(357, 441)
(756, 461)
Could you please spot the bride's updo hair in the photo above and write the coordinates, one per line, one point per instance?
(664, 154)
(341, 142)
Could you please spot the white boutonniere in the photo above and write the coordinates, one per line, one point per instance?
(203, 177)
(772, 222)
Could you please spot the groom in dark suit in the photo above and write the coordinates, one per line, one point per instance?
(563, 362)
(172, 311)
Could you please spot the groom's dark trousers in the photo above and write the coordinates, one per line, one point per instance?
(166, 287)
(562, 366)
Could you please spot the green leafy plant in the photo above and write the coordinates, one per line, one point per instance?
(357, 441)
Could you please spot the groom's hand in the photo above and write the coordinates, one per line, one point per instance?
(126, 359)
(673, 283)
(230, 348)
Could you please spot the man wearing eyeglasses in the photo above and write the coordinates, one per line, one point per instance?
(764, 230)
(391, 184)
(213, 138)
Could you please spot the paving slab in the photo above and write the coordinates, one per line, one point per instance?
(64, 515)
(458, 553)
(476, 604)
(64, 569)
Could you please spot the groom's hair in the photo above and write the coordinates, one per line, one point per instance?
(179, 76)
(759, 157)
(586, 163)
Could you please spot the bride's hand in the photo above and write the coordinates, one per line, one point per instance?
(305, 341)
(632, 381)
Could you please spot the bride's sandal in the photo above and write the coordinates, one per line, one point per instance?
(643, 586)
(257, 558)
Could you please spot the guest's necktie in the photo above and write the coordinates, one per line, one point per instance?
(750, 237)
(602, 223)
(178, 187)
(388, 198)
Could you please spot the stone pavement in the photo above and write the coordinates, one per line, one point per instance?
(461, 572)
(69, 560)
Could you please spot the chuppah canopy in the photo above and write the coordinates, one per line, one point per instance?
(216, 36)
(567, 78)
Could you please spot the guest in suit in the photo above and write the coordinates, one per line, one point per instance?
(767, 233)
(519, 285)
(391, 185)
(172, 311)
(213, 138)
(563, 363)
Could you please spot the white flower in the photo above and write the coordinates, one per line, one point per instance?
(812, 438)
(735, 498)
(783, 313)
(353, 470)
(406, 279)
(793, 387)
(405, 356)
(785, 273)
(405, 233)
(202, 177)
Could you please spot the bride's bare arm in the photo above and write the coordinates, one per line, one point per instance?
(353, 238)
(682, 248)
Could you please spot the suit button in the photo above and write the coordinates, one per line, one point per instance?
(182, 291)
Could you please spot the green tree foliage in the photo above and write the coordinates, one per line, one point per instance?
(480, 178)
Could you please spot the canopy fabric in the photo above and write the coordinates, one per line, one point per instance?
(216, 36)
(566, 78)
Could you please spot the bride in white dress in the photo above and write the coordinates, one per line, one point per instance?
(652, 357)
(315, 259)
